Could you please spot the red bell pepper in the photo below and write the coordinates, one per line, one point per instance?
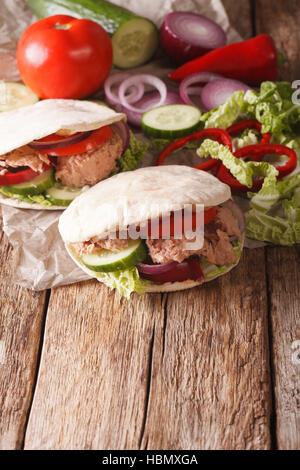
(256, 154)
(23, 176)
(252, 61)
(240, 126)
(219, 135)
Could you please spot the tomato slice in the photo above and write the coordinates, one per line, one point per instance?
(21, 176)
(155, 228)
(96, 138)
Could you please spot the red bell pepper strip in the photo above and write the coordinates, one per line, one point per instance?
(240, 126)
(252, 61)
(256, 154)
(23, 176)
(219, 135)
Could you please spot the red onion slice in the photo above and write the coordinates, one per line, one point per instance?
(59, 141)
(189, 269)
(200, 78)
(156, 268)
(186, 35)
(217, 92)
(239, 214)
(149, 101)
(122, 130)
(134, 93)
(135, 80)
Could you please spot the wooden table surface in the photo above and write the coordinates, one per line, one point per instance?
(209, 368)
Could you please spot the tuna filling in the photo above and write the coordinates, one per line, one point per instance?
(217, 247)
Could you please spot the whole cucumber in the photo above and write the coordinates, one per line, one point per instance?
(134, 39)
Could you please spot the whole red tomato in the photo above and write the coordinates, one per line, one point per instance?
(63, 57)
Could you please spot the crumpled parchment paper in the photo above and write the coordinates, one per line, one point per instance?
(39, 257)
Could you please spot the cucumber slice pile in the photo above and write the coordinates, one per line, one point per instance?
(171, 121)
(109, 261)
(15, 95)
(33, 187)
(61, 195)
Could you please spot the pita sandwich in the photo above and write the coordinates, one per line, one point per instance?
(139, 231)
(53, 150)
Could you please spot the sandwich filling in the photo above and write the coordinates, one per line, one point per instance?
(162, 260)
(56, 169)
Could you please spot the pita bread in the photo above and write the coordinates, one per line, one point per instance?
(136, 196)
(145, 194)
(23, 125)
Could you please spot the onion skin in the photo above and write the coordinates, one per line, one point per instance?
(181, 50)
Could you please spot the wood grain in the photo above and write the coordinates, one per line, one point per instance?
(284, 288)
(281, 19)
(21, 316)
(202, 354)
(92, 386)
(239, 14)
(210, 384)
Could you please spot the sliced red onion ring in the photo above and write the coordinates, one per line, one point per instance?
(135, 80)
(122, 130)
(237, 211)
(156, 268)
(135, 92)
(217, 92)
(186, 35)
(149, 101)
(60, 142)
(200, 78)
(189, 269)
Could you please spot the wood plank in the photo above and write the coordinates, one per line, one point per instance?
(21, 316)
(281, 19)
(93, 380)
(210, 386)
(284, 288)
(239, 14)
(203, 357)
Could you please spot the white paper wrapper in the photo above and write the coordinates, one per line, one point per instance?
(40, 259)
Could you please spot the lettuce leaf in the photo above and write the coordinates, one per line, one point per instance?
(243, 171)
(226, 114)
(132, 156)
(126, 281)
(273, 107)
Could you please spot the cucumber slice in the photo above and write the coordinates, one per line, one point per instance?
(108, 261)
(62, 195)
(134, 43)
(15, 95)
(171, 121)
(33, 187)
